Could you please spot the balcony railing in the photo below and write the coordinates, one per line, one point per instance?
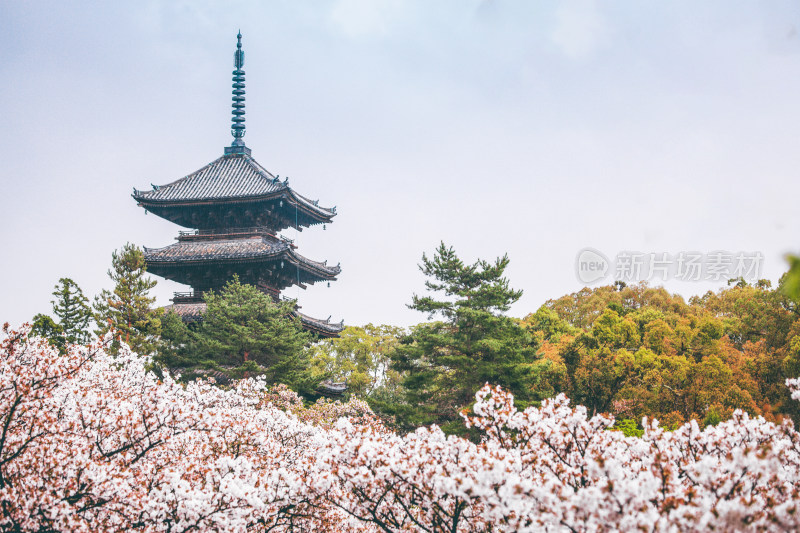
(229, 232)
(187, 297)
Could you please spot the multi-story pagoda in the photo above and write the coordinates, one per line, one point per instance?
(235, 209)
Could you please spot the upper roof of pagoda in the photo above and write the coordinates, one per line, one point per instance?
(232, 177)
(234, 190)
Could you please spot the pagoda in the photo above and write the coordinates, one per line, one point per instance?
(234, 209)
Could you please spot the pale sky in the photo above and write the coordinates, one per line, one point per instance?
(532, 128)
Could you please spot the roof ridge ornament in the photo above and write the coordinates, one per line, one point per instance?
(237, 111)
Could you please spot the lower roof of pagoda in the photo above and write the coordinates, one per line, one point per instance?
(216, 251)
(189, 312)
(193, 312)
(321, 327)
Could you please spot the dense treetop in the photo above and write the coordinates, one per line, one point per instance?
(631, 351)
(473, 342)
(639, 351)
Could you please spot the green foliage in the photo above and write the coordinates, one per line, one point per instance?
(791, 362)
(73, 311)
(548, 324)
(444, 362)
(128, 308)
(244, 333)
(713, 417)
(751, 313)
(44, 326)
(639, 351)
(360, 356)
(176, 348)
(791, 285)
(628, 427)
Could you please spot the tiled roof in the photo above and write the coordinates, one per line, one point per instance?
(233, 249)
(323, 325)
(216, 249)
(231, 177)
(332, 389)
(190, 312)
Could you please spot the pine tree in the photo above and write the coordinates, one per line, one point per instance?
(44, 326)
(244, 333)
(73, 311)
(127, 309)
(445, 362)
(176, 348)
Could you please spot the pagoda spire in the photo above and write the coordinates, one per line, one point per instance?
(237, 119)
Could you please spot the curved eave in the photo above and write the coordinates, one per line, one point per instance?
(320, 215)
(323, 269)
(330, 389)
(321, 327)
(305, 203)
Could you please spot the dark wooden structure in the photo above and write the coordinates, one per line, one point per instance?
(234, 209)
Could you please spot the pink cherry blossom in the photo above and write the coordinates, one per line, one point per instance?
(94, 442)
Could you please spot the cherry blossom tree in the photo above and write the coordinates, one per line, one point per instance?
(93, 442)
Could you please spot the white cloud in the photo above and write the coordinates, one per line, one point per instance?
(580, 28)
(366, 18)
